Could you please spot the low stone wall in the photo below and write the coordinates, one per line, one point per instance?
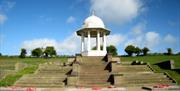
(169, 64)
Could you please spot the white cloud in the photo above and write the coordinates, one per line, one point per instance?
(169, 39)
(152, 39)
(138, 37)
(36, 43)
(136, 41)
(115, 39)
(70, 45)
(71, 19)
(3, 18)
(5, 6)
(138, 29)
(117, 11)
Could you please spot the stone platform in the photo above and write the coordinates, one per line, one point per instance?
(94, 72)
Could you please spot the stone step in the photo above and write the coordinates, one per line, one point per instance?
(142, 77)
(141, 84)
(45, 75)
(92, 68)
(42, 85)
(93, 73)
(93, 85)
(131, 70)
(93, 64)
(48, 72)
(40, 80)
(92, 82)
(144, 74)
(147, 81)
(94, 77)
(100, 71)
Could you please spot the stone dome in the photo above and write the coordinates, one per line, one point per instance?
(93, 22)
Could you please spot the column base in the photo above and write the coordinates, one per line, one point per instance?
(94, 53)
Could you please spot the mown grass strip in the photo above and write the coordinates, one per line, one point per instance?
(10, 79)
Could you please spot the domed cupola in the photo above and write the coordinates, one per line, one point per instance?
(93, 27)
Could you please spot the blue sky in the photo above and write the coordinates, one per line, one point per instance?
(40, 23)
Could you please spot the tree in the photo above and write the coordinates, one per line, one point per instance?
(37, 52)
(145, 51)
(137, 51)
(0, 54)
(130, 50)
(23, 53)
(169, 51)
(50, 51)
(112, 49)
(94, 48)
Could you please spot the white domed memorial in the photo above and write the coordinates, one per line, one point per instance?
(93, 27)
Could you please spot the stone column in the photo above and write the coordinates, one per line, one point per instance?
(104, 42)
(89, 41)
(98, 41)
(82, 42)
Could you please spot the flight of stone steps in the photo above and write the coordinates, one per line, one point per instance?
(92, 72)
(47, 75)
(139, 75)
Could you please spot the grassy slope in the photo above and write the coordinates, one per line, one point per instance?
(8, 64)
(156, 59)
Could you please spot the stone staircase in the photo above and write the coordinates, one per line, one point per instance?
(132, 69)
(92, 72)
(139, 75)
(47, 75)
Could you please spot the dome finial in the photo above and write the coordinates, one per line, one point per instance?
(93, 12)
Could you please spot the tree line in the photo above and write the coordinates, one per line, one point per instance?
(130, 50)
(49, 51)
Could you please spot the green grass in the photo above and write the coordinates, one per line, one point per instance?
(7, 63)
(157, 59)
(12, 78)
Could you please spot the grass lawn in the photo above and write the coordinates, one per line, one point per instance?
(7, 63)
(157, 59)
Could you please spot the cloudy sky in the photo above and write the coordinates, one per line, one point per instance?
(39, 23)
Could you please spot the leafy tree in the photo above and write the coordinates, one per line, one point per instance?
(23, 53)
(94, 48)
(169, 51)
(0, 54)
(130, 50)
(112, 49)
(50, 51)
(145, 51)
(137, 51)
(37, 52)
